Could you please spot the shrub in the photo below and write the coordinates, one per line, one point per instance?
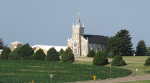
(39, 55)
(118, 61)
(52, 55)
(91, 53)
(100, 58)
(68, 56)
(147, 62)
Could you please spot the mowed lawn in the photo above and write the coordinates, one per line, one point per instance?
(145, 81)
(134, 62)
(16, 71)
(137, 62)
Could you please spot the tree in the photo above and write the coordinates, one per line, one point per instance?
(26, 52)
(22, 52)
(118, 61)
(39, 55)
(121, 44)
(1, 44)
(91, 53)
(52, 55)
(5, 53)
(61, 52)
(100, 59)
(141, 48)
(68, 56)
(147, 62)
(14, 55)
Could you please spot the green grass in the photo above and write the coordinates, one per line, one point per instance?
(133, 62)
(137, 62)
(145, 81)
(25, 71)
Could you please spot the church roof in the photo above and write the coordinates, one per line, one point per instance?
(98, 39)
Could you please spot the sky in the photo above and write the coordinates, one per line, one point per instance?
(50, 21)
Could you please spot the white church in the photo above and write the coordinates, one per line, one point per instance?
(80, 43)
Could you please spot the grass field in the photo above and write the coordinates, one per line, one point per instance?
(39, 71)
(132, 61)
(137, 62)
(145, 81)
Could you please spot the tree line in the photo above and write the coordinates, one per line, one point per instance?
(26, 52)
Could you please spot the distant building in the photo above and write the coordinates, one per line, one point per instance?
(15, 45)
(82, 43)
(45, 48)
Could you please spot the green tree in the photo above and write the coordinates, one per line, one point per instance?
(22, 52)
(39, 55)
(100, 59)
(91, 53)
(52, 55)
(147, 62)
(118, 61)
(141, 48)
(68, 56)
(14, 55)
(61, 52)
(121, 44)
(26, 52)
(5, 53)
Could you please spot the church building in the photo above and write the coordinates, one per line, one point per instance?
(82, 43)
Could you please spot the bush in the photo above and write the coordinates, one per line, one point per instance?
(118, 61)
(6, 51)
(147, 62)
(100, 59)
(52, 55)
(39, 55)
(91, 53)
(68, 56)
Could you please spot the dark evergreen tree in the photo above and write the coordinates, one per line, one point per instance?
(39, 55)
(26, 52)
(121, 44)
(68, 56)
(22, 52)
(118, 61)
(141, 48)
(5, 53)
(91, 53)
(52, 55)
(100, 59)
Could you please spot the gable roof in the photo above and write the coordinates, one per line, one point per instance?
(98, 39)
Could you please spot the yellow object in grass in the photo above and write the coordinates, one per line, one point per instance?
(94, 77)
(33, 81)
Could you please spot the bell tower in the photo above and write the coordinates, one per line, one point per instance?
(77, 32)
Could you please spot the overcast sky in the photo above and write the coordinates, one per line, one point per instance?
(50, 21)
